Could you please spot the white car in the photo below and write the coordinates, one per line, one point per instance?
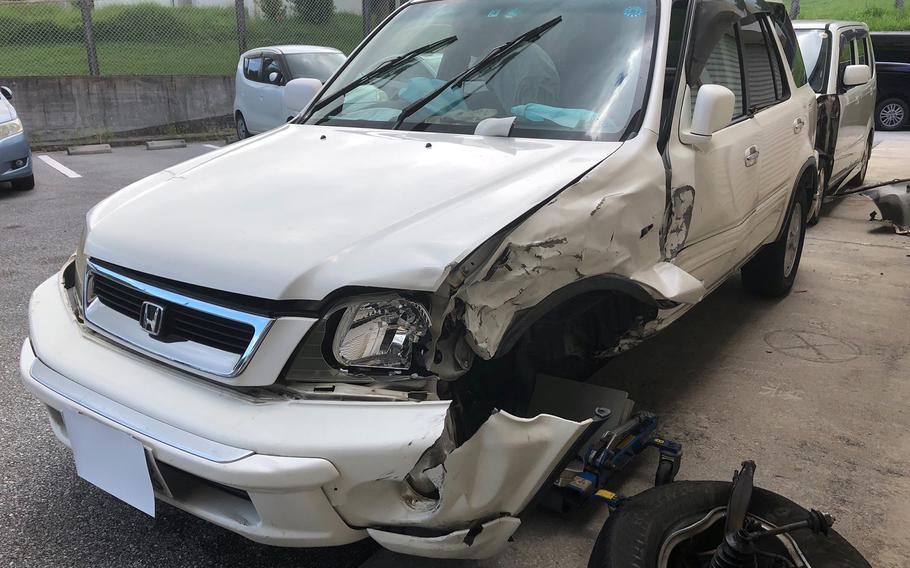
(841, 67)
(341, 328)
(267, 77)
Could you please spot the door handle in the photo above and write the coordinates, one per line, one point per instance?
(798, 125)
(751, 156)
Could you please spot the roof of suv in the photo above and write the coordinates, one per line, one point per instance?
(286, 49)
(826, 24)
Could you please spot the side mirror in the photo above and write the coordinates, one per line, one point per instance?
(713, 111)
(857, 75)
(299, 92)
(7, 93)
(275, 78)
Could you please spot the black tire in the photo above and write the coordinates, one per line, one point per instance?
(891, 114)
(816, 215)
(769, 273)
(860, 178)
(242, 131)
(636, 530)
(23, 183)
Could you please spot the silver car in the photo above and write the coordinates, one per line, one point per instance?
(15, 156)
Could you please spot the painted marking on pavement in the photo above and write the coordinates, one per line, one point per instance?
(59, 167)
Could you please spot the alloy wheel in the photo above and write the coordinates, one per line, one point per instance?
(891, 115)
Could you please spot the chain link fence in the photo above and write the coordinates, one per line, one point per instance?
(169, 37)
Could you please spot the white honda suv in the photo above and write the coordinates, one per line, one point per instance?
(357, 339)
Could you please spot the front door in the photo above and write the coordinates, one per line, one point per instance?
(723, 171)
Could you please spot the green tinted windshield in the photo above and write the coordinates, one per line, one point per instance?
(584, 78)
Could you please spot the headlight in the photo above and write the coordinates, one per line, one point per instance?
(9, 128)
(380, 333)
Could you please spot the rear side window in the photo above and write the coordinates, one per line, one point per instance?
(862, 57)
(764, 80)
(252, 68)
(721, 67)
(783, 28)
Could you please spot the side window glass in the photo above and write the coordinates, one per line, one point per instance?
(761, 85)
(861, 57)
(253, 68)
(720, 67)
(270, 64)
(783, 28)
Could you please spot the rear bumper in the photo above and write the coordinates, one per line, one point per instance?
(12, 149)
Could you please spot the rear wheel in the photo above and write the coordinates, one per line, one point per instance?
(891, 114)
(860, 178)
(772, 271)
(242, 131)
(24, 183)
(681, 524)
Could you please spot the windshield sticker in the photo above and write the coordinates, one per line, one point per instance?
(494, 13)
(633, 11)
(511, 13)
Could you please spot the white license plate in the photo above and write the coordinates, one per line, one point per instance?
(111, 460)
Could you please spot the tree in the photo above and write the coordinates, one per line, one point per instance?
(899, 4)
(794, 9)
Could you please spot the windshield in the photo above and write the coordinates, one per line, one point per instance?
(583, 76)
(816, 48)
(313, 65)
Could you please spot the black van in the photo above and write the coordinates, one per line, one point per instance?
(892, 65)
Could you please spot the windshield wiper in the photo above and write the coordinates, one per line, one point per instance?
(496, 54)
(387, 67)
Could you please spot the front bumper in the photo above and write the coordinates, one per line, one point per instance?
(12, 149)
(294, 472)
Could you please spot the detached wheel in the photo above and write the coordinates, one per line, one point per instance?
(679, 525)
(772, 271)
(891, 114)
(242, 131)
(23, 184)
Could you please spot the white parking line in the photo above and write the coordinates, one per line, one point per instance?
(59, 167)
(211, 146)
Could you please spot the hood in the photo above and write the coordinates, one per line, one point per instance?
(304, 210)
(7, 112)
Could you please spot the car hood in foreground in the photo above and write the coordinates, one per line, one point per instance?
(305, 210)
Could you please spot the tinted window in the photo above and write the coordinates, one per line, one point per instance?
(252, 68)
(892, 47)
(762, 79)
(271, 64)
(721, 67)
(783, 28)
(861, 57)
(313, 65)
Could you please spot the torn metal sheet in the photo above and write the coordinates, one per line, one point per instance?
(495, 473)
(484, 541)
(893, 202)
(600, 225)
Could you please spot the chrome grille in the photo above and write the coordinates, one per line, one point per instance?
(179, 323)
(193, 333)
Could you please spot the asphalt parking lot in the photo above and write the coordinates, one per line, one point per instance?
(813, 387)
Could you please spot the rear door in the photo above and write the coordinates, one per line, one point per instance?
(781, 123)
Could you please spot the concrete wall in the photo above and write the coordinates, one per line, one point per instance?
(67, 109)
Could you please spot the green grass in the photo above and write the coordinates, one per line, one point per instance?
(880, 15)
(43, 39)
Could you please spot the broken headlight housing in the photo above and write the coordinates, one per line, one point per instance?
(380, 333)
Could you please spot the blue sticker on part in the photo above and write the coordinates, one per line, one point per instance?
(493, 13)
(633, 12)
(511, 13)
